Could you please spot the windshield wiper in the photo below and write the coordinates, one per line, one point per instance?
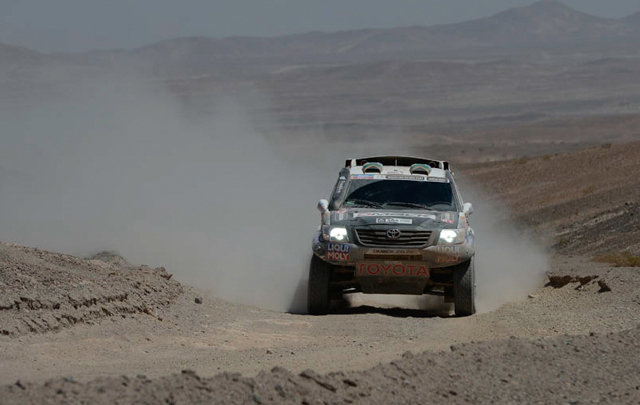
(368, 203)
(407, 204)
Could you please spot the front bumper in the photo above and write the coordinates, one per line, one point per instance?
(351, 254)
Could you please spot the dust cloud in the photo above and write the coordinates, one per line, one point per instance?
(510, 263)
(120, 165)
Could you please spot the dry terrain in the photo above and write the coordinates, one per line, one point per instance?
(537, 106)
(72, 327)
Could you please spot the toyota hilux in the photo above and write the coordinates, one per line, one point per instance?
(393, 225)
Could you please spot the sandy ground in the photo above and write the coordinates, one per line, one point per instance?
(589, 369)
(71, 328)
(576, 361)
(219, 336)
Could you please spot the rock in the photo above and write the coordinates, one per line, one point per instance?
(604, 287)
(320, 380)
(269, 351)
(110, 257)
(198, 300)
(559, 281)
(532, 296)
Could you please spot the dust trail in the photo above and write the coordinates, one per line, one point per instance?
(510, 263)
(119, 165)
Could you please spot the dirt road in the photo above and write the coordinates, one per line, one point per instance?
(92, 321)
(217, 336)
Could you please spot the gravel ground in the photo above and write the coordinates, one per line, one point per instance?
(598, 368)
(72, 329)
(42, 291)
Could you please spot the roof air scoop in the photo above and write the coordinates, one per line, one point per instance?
(420, 168)
(373, 167)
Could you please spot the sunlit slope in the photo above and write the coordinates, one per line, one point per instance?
(588, 201)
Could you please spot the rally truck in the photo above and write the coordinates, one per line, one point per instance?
(393, 225)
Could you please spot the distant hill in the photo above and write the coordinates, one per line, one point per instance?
(547, 23)
(544, 22)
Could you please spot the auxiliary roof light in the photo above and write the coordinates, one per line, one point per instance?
(373, 167)
(420, 168)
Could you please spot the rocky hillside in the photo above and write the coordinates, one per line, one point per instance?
(588, 201)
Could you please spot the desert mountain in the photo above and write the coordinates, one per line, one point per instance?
(547, 23)
(542, 24)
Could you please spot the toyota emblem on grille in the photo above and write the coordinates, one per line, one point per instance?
(393, 233)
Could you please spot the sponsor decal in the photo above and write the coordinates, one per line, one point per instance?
(399, 177)
(437, 179)
(449, 254)
(448, 249)
(340, 187)
(447, 218)
(338, 252)
(448, 259)
(404, 221)
(393, 214)
(404, 177)
(391, 269)
(393, 252)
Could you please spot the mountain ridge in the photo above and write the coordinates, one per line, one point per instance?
(547, 23)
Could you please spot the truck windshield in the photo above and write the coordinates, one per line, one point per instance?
(399, 194)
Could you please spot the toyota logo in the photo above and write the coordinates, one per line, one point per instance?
(393, 233)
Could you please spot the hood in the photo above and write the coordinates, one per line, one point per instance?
(422, 218)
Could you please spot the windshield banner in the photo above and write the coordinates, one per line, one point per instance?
(398, 177)
(393, 214)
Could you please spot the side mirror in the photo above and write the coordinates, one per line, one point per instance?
(467, 209)
(323, 206)
(325, 215)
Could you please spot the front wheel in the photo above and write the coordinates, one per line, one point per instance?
(318, 298)
(464, 288)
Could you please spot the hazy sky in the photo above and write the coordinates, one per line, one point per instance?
(75, 25)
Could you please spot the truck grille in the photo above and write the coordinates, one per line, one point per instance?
(378, 237)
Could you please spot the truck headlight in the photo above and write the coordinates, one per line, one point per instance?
(451, 236)
(338, 234)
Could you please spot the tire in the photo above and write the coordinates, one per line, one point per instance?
(318, 295)
(464, 288)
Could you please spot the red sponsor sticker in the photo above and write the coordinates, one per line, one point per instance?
(338, 256)
(392, 269)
